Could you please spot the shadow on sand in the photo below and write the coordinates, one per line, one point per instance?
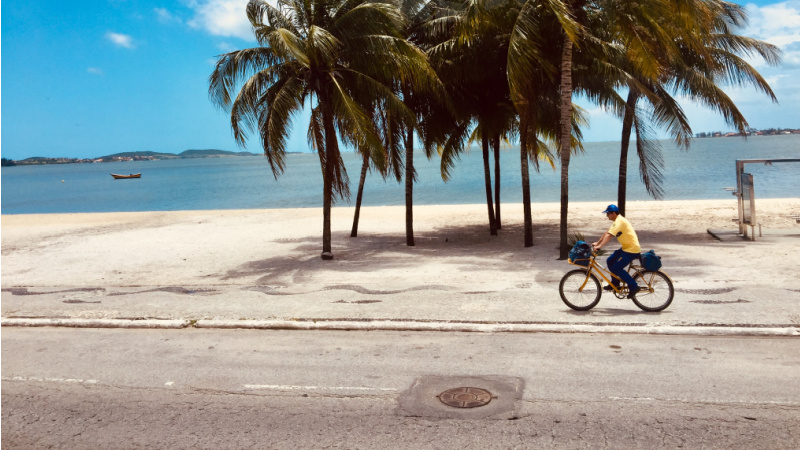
(460, 249)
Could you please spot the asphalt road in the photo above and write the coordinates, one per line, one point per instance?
(194, 388)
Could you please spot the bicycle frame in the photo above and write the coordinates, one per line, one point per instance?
(594, 267)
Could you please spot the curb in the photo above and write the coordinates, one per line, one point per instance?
(385, 325)
(96, 323)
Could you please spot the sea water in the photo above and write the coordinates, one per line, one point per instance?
(703, 172)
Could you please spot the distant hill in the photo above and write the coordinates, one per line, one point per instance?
(209, 153)
(212, 153)
(158, 155)
(129, 156)
(40, 161)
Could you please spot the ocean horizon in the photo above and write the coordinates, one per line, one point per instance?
(246, 182)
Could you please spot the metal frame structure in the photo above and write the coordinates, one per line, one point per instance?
(740, 191)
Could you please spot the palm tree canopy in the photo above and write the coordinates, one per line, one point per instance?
(338, 55)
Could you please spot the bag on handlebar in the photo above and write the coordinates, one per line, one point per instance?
(651, 261)
(581, 253)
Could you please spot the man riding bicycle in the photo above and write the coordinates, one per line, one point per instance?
(619, 260)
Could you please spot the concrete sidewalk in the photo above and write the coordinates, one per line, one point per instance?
(528, 307)
(206, 269)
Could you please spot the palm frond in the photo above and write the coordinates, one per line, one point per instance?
(745, 45)
(704, 90)
(235, 67)
(356, 125)
(316, 132)
(257, 10)
(283, 100)
(739, 72)
(368, 18)
(392, 135)
(288, 45)
(526, 61)
(248, 103)
(668, 114)
(450, 150)
(651, 162)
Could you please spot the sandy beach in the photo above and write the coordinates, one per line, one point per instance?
(276, 251)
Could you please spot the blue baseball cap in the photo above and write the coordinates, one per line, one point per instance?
(611, 208)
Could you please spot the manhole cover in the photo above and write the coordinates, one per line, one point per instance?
(466, 397)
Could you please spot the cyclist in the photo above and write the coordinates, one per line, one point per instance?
(619, 260)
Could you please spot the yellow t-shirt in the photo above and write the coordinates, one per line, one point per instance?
(625, 234)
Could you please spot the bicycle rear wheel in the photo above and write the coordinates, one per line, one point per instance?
(656, 293)
(579, 292)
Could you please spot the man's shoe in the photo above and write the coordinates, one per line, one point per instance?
(609, 288)
(632, 292)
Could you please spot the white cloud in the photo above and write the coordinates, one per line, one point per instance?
(778, 24)
(164, 16)
(777, 18)
(222, 18)
(94, 70)
(121, 40)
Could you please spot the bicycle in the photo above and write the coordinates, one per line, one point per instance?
(580, 289)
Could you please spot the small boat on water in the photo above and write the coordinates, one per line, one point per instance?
(120, 177)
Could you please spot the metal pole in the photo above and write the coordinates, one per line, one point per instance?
(739, 171)
(739, 197)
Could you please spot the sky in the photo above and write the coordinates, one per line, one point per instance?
(88, 78)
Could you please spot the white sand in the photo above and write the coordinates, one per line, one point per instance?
(281, 248)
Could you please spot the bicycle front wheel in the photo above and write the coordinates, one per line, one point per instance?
(579, 291)
(656, 293)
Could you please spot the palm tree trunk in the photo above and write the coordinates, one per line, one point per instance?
(496, 145)
(565, 140)
(331, 159)
(410, 188)
(627, 128)
(364, 168)
(526, 184)
(326, 212)
(487, 176)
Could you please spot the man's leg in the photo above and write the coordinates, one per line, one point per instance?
(611, 261)
(618, 269)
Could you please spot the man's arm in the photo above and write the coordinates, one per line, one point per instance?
(601, 242)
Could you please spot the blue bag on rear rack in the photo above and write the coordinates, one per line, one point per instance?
(651, 261)
(581, 253)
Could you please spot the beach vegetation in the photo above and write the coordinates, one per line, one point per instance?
(474, 36)
(697, 57)
(468, 43)
(397, 132)
(429, 108)
(335, 56)
(370, 74)
(533, 69)
(651, 48)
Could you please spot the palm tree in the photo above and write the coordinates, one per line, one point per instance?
(531, 78)
(419, 14)
(537, 20)
(477, 34)
(624, 40)
(593, 40)
(706, 55)
(360, 194)
(593, 35)
(397, 132)
(387, 126)
(335, 54)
